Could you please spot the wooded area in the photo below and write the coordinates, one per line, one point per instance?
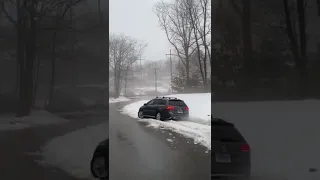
(266, 50)
(55, 36)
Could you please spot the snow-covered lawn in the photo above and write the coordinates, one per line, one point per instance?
(37, 117)
(119, 99)
(197, 128)
(283, 135)
(73, 152)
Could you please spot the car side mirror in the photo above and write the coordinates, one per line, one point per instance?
(145, 104)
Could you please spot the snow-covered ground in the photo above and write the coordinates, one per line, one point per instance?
(284, 136)
(119, 99)
(73, 151)
(37, 117)
(198, 127)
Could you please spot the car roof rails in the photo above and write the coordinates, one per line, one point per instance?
(165, 97)
(169, 97)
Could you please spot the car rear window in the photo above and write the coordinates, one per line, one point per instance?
(176, 103)
(225, 133)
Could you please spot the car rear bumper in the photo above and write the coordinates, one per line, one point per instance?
(231, 171)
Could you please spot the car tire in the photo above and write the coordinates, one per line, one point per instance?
(158, 116)
(140, 115)
(93, 161)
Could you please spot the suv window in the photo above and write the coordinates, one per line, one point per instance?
(162, 102)
(225, 133)
(150, 102)
(176, 103)
(159, 102)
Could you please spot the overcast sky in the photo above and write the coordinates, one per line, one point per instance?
(136, 18)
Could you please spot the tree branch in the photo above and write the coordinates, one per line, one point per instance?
(7, 14)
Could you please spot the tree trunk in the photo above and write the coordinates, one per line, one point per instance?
(16, 93)
(187, 69)
(115, 81)
(21, 59)
(247, 44)
(125, 82)
(206, 49)
(53, 66)
(195, 28)
(292, 36)
(29, 50)
(118, 84)
(30, 60)
(36, 80)
(302, 65)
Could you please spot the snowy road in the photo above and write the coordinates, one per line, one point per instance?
(143, 153)
(16, 161)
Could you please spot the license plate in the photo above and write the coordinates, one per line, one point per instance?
(223, 158)
(180, 111)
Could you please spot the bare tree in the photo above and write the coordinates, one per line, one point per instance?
(298, 41)
(303, 62)
(123, 52)
(174, 19)
(244, 10)
(198, 12)
(29, 16)
(58, 25)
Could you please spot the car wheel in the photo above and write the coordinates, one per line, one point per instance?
(98, 168)
(158, 116)
(140, 115)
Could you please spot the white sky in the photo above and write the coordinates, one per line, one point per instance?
(136, 18)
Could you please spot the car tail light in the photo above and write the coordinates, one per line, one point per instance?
(245, 148)
(187, 108)
(170, 108)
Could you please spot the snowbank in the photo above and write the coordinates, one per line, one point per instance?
(119, 99)
(199, 105)
(73, 152)
(283, 136)
(197, 128)
(37, 117)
